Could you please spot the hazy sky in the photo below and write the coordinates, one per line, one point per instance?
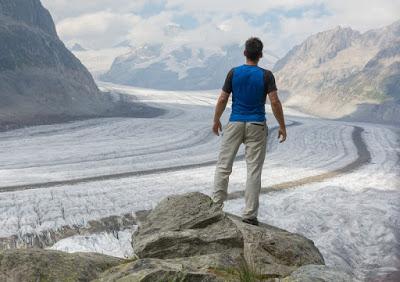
(279, 23)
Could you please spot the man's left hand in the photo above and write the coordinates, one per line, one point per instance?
(282, 134)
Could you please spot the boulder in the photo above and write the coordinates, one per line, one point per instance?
(210, 267)
(190, 225)
(46, 265)
(183, 226)
(275, 252)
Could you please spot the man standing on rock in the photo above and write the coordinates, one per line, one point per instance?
(249, 85)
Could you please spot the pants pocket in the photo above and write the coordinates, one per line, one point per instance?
(259, 124)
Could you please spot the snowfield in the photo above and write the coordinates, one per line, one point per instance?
(68, 174)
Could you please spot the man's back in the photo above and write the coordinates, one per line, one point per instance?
(249, 85)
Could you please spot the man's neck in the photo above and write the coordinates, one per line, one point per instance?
(251, 63)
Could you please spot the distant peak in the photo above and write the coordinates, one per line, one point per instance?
(339, 29)
(338, 33)
(395, 25)
(125, 43)
(77, 47)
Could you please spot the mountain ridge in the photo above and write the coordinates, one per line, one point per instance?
(31, 12)
(332, 72)
(41, 81)
(180, 67)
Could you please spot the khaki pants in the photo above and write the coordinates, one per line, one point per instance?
(254, 136)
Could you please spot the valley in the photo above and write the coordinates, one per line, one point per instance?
(150, 158)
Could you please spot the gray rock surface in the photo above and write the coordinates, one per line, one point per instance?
(191, 225)
(45, 265)
(41, 81)
(197, 268)
(275, 252)
(29, 12)
(183, 226)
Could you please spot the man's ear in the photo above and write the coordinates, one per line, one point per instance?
(245, 53)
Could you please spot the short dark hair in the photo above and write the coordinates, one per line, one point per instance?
(254, 48)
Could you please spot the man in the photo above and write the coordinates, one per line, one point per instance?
(249, 85)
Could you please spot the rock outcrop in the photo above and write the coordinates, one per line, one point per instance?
(212, 267)
(43, 265)
(185, 238)
(41, 81)
(183, 226)
(196, 239)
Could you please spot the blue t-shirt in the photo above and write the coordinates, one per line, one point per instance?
(249, 86)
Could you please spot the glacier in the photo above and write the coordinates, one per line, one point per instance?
(68, 174)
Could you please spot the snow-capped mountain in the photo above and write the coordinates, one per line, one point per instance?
(332, 72)
(124, 43)
(178, 67)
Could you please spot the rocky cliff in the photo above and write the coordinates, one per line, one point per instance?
(40, 80)
(342, 72)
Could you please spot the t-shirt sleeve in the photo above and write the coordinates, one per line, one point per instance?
(270, 84)
(227, 87)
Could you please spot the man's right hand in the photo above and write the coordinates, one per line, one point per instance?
(276, 106)
(282, 134)
(217, 127)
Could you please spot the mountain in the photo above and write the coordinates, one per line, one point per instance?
(99, 61)
(40, 80)
(77, 48)
(342, 72)
(181, 67)
(125, 43)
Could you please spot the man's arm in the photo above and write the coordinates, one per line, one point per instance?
(276, 106)
(219, 109)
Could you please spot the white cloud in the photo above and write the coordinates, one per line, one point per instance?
(358, 15)
(102, 23)
(213, 34)
(152, 29)
(232, 6)
(101, 29)
(62, 9)
(364, 15)
(219, 33)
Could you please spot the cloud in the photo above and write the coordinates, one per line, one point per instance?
(359, 15)
(62, 9)
(236, 7)
(364, 15)
(97, 30)
(215, 33)
(103, 23)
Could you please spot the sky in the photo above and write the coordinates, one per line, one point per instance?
(99, 24)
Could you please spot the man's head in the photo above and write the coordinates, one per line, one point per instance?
(253, 49)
